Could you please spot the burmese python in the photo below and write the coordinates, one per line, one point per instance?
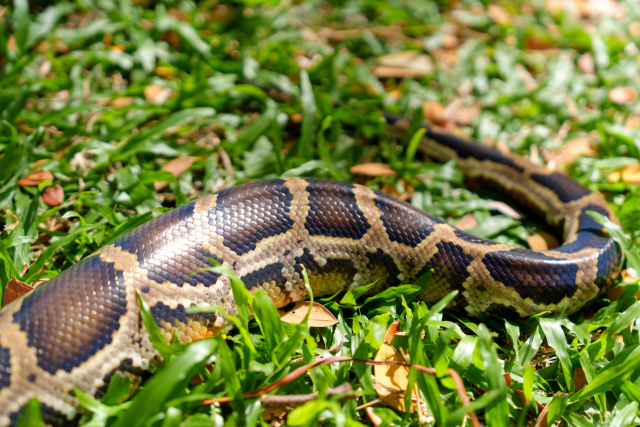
(83, 326)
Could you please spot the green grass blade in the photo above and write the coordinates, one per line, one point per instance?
(555, 338)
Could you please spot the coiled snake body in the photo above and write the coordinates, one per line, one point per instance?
(83, 326)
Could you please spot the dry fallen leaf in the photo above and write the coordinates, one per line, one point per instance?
(507, 210)
(587, 64)
(391, 332)
(579, 379)
(391, 378)
(499, 15)
(53, 196)
(375, 420)
(537, 43)
(622, 95)
(614, 293)
(542, 418)
(633, 121)
(372, 169)
(14, 290)
(630, 174)
(15, 219)
(176, 167)
(634, 29)
(157, 94)
(572, 150)
(466, 222)
(433, 112)
(122, 102)
(405, 64)
(628, 277)
(542, 241)
(460, 113)
(319, 317)
(393, 191)
(35, 178)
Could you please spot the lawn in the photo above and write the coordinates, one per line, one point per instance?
(114, 112)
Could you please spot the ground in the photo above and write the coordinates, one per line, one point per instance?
(114, 112)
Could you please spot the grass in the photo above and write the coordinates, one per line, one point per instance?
(109, 98)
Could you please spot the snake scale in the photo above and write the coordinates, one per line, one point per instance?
(83, 326)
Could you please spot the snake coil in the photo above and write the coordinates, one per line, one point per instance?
(83, 326)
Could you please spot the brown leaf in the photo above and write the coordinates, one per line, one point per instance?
(375, 420)
(15, 219)
(507, 379)
(627, 277)
(614, 293)
(157, 94)
(35, 178)
(499, 15)
(391, 332)
(630, 174)
(466, 222)
(176, 167)
(372, 169)
(587, 64)
(460, 113)
(384, 72)
(572, 150)
(542, 418)
(122, 102)
(537, 43)
(14, 290)
(579, 379)
(393, 191)
(391, 378)
(634, 29)
(633, 121)
(405, 64)
(319, 317)
(53, 196)
(433, 112)
(542, 241)
(622, 95)
(505, 209)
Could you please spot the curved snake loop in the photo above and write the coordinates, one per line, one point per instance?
(80, 328)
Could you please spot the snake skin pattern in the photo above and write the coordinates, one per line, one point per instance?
(83, 326)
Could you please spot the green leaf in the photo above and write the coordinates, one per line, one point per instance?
(555, 338)
(309, 109)
(31, 415)
(632, 251)
(412, 148)
(527, 385)
(165, 349)
(167, 384)
(353, 294)
(176, 119)
(269, 320)
(227, 368)
(557, 407)
(48, 253)
(125, 227)
(616, 372)
(530, 347)
(254, 130)
(624, 417)
(497, 412)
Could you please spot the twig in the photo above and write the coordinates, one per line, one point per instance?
(462, 392)
(299, 399)
(303, 369)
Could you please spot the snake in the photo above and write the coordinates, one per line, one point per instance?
(83, 326)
